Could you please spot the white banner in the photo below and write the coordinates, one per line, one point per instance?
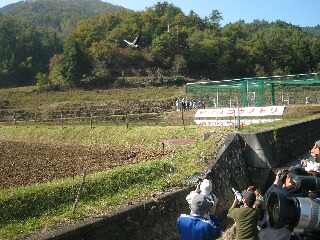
(228, 123)
(242, 112)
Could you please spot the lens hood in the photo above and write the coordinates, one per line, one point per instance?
(282, 210)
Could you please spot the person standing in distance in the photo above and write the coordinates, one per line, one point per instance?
(195, 226)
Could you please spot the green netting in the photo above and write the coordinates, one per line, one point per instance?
(244, 92)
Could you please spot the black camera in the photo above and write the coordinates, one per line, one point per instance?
(282, 173)
(302, 214)
(199, 180)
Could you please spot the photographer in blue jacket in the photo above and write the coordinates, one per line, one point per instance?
(195, 226)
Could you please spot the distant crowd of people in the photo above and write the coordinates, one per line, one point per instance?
(182, 104)
(249, 208)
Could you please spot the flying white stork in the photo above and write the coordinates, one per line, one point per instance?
(134, 43)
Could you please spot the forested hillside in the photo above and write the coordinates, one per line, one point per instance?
(313, 30)
(58, 15)
(24, 51)
(172, 46)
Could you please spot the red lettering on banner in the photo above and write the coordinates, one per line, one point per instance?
(241, 110)
(230, 111)
(262, 110)
(251, 111)
(275, 110)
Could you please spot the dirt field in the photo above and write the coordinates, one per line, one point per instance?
(25, 163)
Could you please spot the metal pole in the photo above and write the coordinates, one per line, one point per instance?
(186, 92)
(247, 93)
(272, 94)
(217, 98)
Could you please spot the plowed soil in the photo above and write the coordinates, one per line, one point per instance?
(25, 163)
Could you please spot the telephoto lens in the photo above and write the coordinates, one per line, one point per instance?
(310, 183)
(282, 211)
(299, 214)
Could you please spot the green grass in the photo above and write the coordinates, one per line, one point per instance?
(115, 135)
(278, 124)
(28, 98)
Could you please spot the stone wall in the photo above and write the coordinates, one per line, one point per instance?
(244, 159)
(229, 170)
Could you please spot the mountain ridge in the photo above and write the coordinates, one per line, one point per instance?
(60, 15)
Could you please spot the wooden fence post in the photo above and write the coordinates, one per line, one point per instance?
(79, 191)
(61, 117)
(14, 120)
(91, 121)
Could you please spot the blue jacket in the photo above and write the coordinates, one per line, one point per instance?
(195, 227)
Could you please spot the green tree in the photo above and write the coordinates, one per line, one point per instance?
(55, 73)
(216, 18)
(75, 63)
(179, 65)
(165, 47)
(24, 51)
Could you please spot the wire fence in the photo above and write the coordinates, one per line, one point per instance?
(85, 119)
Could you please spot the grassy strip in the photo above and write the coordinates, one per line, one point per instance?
(23, 203)
(115, 135)
(17, 230)
(28, 98)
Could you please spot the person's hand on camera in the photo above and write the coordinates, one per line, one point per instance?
(198, 188)
(236, 198)
(235, 202)
(216, 200)
(278, 175)
(214, 207)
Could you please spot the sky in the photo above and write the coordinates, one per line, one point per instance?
(303, 13)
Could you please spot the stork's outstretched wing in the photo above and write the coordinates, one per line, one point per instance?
(136, 40)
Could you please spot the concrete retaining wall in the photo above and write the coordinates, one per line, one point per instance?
(244, 159)
(275, 148)
(150, 220)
